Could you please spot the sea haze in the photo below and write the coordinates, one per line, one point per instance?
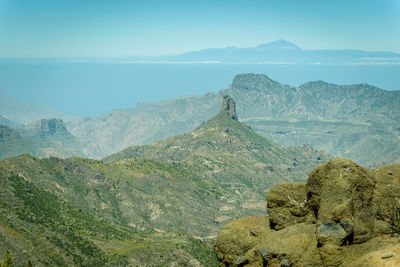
(88, 88)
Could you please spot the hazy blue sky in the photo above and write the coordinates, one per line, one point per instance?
(31, 28)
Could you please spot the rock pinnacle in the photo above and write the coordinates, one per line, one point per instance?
(229, 107)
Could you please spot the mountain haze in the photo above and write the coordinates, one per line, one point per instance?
(284, 52)
(23, 113)
(44, 138)
(359, 121)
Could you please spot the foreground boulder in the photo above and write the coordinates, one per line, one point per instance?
(345, 215)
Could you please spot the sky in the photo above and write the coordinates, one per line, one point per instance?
(103, 28)
(118, 28)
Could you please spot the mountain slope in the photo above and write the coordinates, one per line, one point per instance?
(360, 121)
(52, 139)
(38, 222)
(12, 144)
(160, 204)
(232, 151)
(112, 132)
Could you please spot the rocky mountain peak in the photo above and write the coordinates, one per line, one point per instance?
(229, 107)
(252, 82)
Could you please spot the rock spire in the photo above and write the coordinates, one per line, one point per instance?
(229, 107)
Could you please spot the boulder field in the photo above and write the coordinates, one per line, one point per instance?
(344, 215)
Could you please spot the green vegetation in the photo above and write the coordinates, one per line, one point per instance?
(156, 205)
(7, 262)
(12, 144)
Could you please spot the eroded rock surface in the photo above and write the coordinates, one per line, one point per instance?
(287, 205)
(345, 215)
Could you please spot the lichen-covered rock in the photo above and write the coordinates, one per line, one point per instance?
(236, 239)
(345, 215)
(287, 205)
(295, 244)
(365, 200)
(341, 191)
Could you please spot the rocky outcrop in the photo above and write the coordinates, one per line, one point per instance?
(46, 127)
(287, 205)
(229, 107)
(345, 215)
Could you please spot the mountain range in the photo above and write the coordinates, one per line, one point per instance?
(276, 52)
(358, 121)
(158, 204)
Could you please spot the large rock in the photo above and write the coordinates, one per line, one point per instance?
(359, 203)
(295, 245)
(229, 107)
(238, 237)
(345, 215)
(237, 245)
(287, 205)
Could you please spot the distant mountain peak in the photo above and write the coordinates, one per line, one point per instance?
(250, 81)
(46, 127)
(229, 107)
(52, 126)
(278, 45)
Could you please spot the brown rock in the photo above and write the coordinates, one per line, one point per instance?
(296, 243)
(341, 192)
(287, 205)
(236, 238)
(345, 215)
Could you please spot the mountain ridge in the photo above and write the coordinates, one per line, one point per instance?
(341, 116)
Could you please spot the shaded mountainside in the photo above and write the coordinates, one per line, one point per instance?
(12, 144)
(345, 215)
(360, 121)
(44, 138)
(53, 139)
(160, 204)
(144, 124)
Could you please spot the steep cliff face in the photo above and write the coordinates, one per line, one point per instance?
(44, 128)
(345, 215)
